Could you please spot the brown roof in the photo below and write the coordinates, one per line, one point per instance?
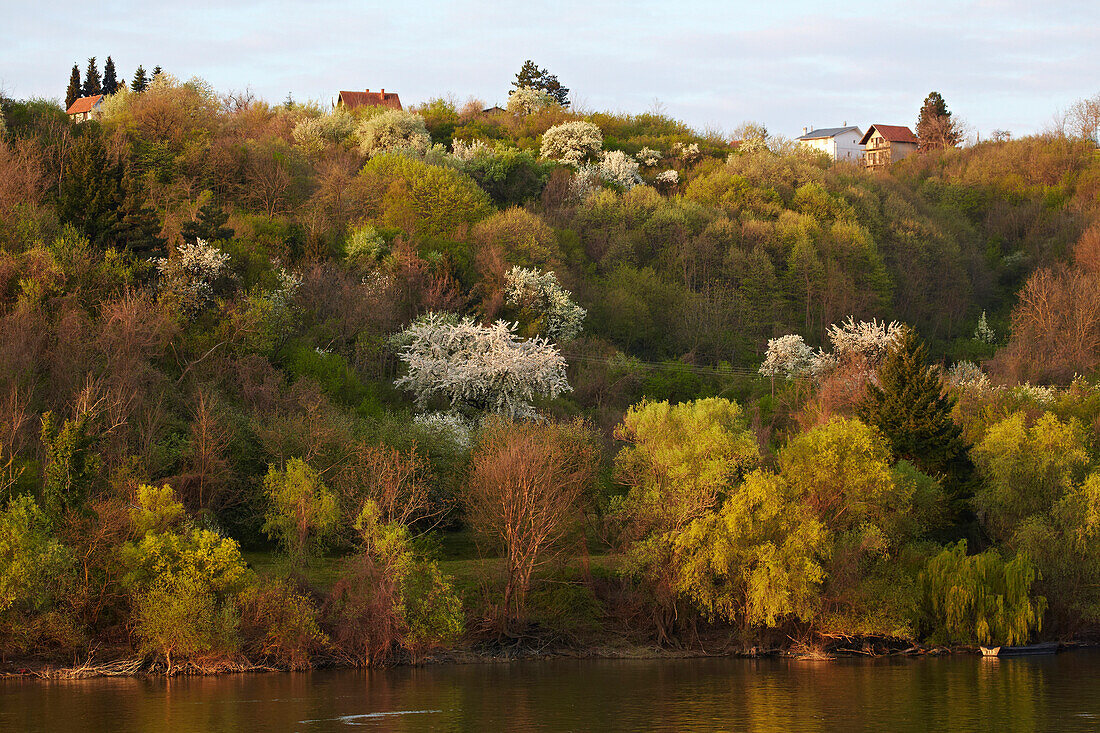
(893, 133)
(351, 100)
(84, 104)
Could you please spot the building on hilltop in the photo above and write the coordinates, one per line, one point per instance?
(85, 108)
(883, 144)
(352, 100)
(839, 143)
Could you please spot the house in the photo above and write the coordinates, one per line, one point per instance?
(883, 144)
(839, 143)
(382, 98)
(85, 108)
(493, 111)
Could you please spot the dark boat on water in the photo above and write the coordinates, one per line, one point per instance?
(1050, 647)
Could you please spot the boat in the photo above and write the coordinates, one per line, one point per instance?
(1049, 647)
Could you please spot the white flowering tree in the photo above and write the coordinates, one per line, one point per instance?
(191, 274)
(689, 153)
(543, 298)
(788, 357)
(866, 341)
(391, 131)
(478, 367)
(984, 332)
(467, 151)
(529, 100)
(649, 157)
(667, 179)
(572, 143)
(618, 168)
(312, 134)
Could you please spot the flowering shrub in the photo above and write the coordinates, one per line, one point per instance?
(968, 375)
(450, 426)
(788, 356)
(617, 167)
(667, 179)
(572, 143)
(392, 131)
(540, 294)
(649, 157)
(468, 151)
(528, 100)
(478, 367)
(312, 134)
(866, 340)
(190, 275)
(687, 153)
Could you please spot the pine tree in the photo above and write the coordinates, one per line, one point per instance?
(157, 71)
(110, 81)
(92, 85)
(73, 93)
(910, 408)
(530, 76)
(140, 82)
(209, 226)
(935, 128)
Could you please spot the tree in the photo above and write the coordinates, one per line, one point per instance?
(478, 367)
(302, 512)
(572, 143)
(74, 92)
(140, 81)
(92, 85)
(527, 480)
(110, 80)
(530, 76)
(911, 408)
(210, 226)
(157, 71)
(544, 305)
(393, 130)
(935, 128)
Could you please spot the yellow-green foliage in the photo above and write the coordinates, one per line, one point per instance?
(302, 510)
(397, 190)
(980, 598)
(757, 559)
(31, 560)
(279, 623)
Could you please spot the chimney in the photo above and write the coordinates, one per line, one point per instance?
(804, 131)
(368, 90)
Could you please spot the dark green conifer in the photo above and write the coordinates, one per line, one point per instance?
(530, 76)
(110, 80)
(157, 71)
(140, 81)
(92, 84)
(209, 226)
(73, 93)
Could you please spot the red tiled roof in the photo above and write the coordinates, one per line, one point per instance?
(351, 100)
(893, 133)
(84, 104)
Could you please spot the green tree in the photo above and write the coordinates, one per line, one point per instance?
(140, 81)
(530, 76)
(73, 93)
(92, 84)
(936, 129)
(210, 225)
(71, 469)
(110, 79)
(32, 566)
(302, 510)
(157, 71)
(912, 410)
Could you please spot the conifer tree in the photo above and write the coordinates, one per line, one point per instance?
(209, 226)
(935, 128)
(157, 71)
(530, 76)
(110, 80)
(140, 81)
(910, 408)
(73, 93)
(92, 84)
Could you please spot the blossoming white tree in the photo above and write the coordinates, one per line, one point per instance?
(867, 340)
(542, 295)
(191, 274)
(617, 167)
(649, 157)
(788, 356)
(528, 100)
(478, 367)
(572, 143)
(393, 130)
(467, 151)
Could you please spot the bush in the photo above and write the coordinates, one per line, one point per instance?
(279, 624)
(392, 131)
(303, 512)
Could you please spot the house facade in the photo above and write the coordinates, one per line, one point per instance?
(839, 143)
(883, 144)
(85, 108)
(381, 98)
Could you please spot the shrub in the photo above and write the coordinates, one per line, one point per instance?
(392, 131)
(279, 624)
(572, 143)
(302, 511)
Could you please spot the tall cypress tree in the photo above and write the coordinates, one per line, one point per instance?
(110, 81)
(92, 84)
(140, 82)
(73, 93)
(911, 409)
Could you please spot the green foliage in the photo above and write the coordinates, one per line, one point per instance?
(979, 598)
(530, 76)
(511, 177)
(71, 469)
(302, 510)
(32, 561)
(279, 623)
(74, 90)
(210, 226)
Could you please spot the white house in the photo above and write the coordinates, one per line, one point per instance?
(839, 143)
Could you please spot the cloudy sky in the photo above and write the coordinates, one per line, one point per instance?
(789, 64)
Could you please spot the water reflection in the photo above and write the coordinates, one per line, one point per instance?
(956, 694)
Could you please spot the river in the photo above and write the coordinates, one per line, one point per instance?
(958, 693)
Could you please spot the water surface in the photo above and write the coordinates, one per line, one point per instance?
(960, 693)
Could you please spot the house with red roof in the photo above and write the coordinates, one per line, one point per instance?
(382, 98)
(85, 108)
(883, 144)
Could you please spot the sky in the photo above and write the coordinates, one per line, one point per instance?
(1000, 64)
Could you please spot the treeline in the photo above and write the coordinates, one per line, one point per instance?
(227, 325)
